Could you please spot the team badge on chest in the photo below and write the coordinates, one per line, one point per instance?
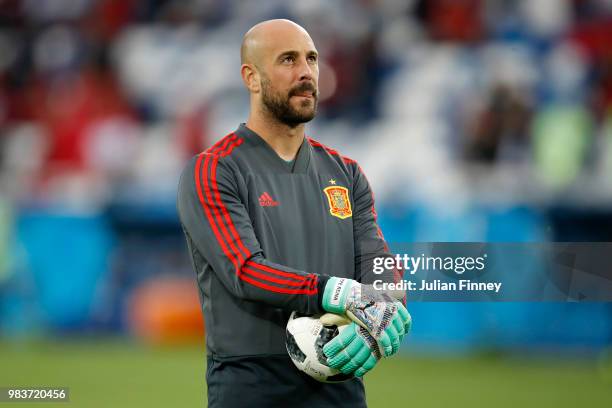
(339, 202)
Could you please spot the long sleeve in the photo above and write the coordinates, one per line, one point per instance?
(217, 223)
(369, 240)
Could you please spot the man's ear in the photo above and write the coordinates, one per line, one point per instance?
(250, 77)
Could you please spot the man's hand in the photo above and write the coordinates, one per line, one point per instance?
(386, 319)
(353, 351)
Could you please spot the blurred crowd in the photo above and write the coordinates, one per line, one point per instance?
(99, 99)
(103, 99)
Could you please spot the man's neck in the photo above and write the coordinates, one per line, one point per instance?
(283, 139)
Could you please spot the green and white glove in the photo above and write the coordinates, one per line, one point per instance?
(386, 319)
(353, 351)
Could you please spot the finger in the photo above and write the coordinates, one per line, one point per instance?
(332, 319)
(395, 338)
(370, 362)
(396, 345)
(360, 372)
(345, 355)
(356, 361)
(385, 343)
(405, 316)
(340, 341)
(399, 326)
(362, 355)
(366, 367)
(340, 359)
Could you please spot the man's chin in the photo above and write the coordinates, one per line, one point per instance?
(307, 116)
(306, 108)
(299, 119)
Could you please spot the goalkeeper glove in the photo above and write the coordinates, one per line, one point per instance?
(354, 350)
(386, 319)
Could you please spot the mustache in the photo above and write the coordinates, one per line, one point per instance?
(304, 87)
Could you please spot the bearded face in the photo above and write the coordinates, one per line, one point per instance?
(293, 107)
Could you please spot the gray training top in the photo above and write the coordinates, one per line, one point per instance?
(265, 235)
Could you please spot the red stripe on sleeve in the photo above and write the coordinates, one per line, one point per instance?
(222, 144)
(313, 283)
(304, 283)
(275, 271)
(307, 291)
(214, 197)
(207, 212)
(215, 207)
(206, 207)
(231, 148)
(228, 220)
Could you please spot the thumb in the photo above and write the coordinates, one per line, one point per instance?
(332, 319)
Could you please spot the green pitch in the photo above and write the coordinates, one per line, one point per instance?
(120, 374)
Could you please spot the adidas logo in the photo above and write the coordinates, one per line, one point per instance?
(266, 200)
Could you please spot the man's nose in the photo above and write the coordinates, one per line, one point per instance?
(305, 70)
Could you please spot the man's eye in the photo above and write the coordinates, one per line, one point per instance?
(312, 58)
(288, 58)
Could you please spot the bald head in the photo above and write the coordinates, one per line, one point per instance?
(263, 36)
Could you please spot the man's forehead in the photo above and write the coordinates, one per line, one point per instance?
(304, 47)
(276, 37)
(279, 43)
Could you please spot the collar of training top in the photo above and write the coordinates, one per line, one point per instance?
(299, 165)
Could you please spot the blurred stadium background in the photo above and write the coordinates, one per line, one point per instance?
(475, 121)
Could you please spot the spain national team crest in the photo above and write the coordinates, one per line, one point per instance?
(339, 202)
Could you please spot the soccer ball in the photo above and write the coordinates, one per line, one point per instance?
(306, 336)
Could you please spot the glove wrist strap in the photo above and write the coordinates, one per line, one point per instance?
(336, 293)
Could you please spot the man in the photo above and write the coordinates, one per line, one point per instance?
(277, 222)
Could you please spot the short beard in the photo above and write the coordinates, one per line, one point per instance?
(280, 107)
